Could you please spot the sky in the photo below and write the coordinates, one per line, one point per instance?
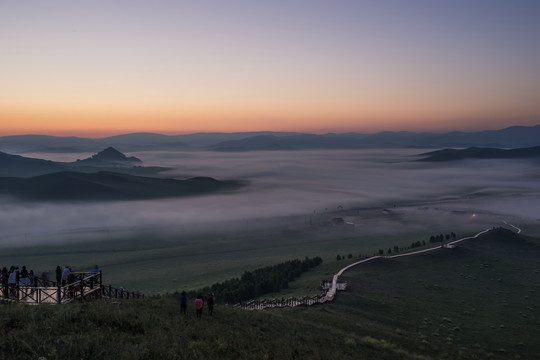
(99, 68)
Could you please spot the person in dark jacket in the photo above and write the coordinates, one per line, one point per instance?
(183, 302)
(58, 276)
(23, 280)
(210, 304)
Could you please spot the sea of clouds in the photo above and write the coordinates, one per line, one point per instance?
(280, 184)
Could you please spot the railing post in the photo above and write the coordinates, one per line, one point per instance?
(81, 282)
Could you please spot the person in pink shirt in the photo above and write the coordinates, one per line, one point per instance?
(199, 304)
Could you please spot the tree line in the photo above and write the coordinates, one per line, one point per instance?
(259, 282)
(396, 249)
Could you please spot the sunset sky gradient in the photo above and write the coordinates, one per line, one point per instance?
(96, 68)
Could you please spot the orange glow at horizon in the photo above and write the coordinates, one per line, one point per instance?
(100, 123)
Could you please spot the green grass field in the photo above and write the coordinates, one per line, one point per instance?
(157, 263)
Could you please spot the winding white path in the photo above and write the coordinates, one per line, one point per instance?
(332, 291)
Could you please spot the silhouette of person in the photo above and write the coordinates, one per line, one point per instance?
(210, 303)
(58, 275)
(65, 275)
(32, 278)
(13, 279)
(183, 302)
(24, 277)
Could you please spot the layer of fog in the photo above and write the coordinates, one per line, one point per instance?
(282, 185)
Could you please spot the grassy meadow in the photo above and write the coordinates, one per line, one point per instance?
(477, 301)
(157, 263)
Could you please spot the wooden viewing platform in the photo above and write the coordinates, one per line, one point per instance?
(86, 285)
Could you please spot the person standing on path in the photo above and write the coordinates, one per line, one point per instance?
(183, 302)
(199, 304)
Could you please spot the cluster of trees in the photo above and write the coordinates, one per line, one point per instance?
(339, 257)
(418, 244)
(389, 251)
(441, 237)
(397, 249)
(260, 281)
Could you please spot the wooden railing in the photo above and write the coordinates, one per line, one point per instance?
(120, 293)
(84, 286)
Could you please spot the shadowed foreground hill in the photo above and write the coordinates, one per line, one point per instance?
(16, 165)
(65, 186)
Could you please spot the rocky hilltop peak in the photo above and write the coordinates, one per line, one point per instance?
(111, 154)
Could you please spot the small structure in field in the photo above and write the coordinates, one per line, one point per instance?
(339, 221)
(327, 285)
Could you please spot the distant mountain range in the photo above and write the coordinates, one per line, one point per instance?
(482, 153)
(76, 186)
(108, 159)
(512, 137)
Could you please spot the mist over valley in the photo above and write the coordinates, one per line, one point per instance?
(249, 208)
(281, 185)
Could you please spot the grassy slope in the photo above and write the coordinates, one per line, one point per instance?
(478, 301)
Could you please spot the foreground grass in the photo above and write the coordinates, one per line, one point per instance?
(478, 301)
(155, 329)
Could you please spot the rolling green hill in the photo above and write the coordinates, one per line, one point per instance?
(67, 186)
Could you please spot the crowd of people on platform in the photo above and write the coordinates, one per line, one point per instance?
(21, 277)
(27, 278)
(65, 277)
(199, 304)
